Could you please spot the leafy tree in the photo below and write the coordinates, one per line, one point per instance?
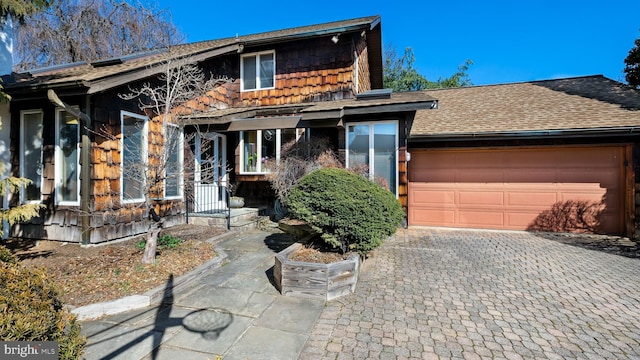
(400, 75)
(87, 30)
(632, 68)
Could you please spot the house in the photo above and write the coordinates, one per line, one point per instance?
(497, 157)
(500, 156)
(308, 82)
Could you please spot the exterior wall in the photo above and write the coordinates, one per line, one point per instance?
(5, 155)
(362, 66)
(108, 218)
(306, 71)
(634, 180)
(55, 222)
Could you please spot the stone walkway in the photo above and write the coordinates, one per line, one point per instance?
(457, 294)
(231, 312)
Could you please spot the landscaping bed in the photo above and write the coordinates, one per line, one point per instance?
(86, 275)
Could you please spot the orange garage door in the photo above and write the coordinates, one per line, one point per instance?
(508, 189)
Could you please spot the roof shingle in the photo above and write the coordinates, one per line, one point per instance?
(591, 102)
(87, 73)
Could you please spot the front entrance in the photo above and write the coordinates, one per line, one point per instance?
(210, 185)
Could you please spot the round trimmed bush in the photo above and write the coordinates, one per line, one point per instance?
(351, 212)
(30, 309)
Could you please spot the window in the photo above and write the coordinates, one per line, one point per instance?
(174, 160)
(134, 156)
(257, 71)
(259, 147)
(67, 174)
(373, 146)
(31, 154)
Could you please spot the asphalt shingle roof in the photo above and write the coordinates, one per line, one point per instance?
(86, 73)
(591, 102)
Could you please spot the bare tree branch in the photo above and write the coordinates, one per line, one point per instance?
(87, 30)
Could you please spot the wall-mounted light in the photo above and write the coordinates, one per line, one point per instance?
(335, 39)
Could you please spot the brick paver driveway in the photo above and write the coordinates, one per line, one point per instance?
(484, 295)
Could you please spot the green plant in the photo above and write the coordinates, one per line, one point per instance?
(350, 212)
(30, 310)
(164, 242)
(6, 256)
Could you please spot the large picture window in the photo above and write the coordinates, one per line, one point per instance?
(373, 146)
(67, 174)
(262, 147)
(258, 70)
(31, 154)
(174, 159)
(134, 156)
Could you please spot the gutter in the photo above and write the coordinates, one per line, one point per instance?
(534, 134)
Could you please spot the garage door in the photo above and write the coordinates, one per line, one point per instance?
(510, 189)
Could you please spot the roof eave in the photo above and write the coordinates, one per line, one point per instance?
(532, 134)
(110, 82)
(310, 34)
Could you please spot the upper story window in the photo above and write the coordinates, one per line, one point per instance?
(67, 165)
(31, 154)
(134, 157)
(258, 71)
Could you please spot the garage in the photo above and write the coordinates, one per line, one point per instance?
(508, 188)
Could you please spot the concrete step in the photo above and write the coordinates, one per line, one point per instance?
(240, 219)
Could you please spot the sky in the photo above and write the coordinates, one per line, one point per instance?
(508, 41)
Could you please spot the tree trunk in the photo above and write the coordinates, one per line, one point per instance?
(149, 255)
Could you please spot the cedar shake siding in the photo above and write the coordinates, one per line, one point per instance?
(317, 84)
(306, 71)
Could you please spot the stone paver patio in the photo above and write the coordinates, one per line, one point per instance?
(435, 293)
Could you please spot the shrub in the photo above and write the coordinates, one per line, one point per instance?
(30, 310)
(6, 256)
(164, 242)
(351, 212)
(298, 158)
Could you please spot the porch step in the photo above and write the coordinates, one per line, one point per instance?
(240, 220)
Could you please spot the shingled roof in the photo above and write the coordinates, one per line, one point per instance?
(580, 104)
(99, 75)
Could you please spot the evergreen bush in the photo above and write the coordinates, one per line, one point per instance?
(6, 256)
(351, 212)
(30, 310)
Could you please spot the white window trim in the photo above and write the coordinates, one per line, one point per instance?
(145, 135)
(258, 84)
(371, 149)
(58, 163)
(22, 152)
(259, 169)
(180, 145)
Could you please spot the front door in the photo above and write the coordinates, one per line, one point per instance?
(211, 173)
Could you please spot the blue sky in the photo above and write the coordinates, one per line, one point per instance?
(508, 41)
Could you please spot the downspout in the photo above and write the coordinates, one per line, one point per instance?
(85, 161)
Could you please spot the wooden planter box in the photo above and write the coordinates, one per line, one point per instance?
(313, 280)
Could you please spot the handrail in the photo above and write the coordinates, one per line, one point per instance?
(208, 198)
